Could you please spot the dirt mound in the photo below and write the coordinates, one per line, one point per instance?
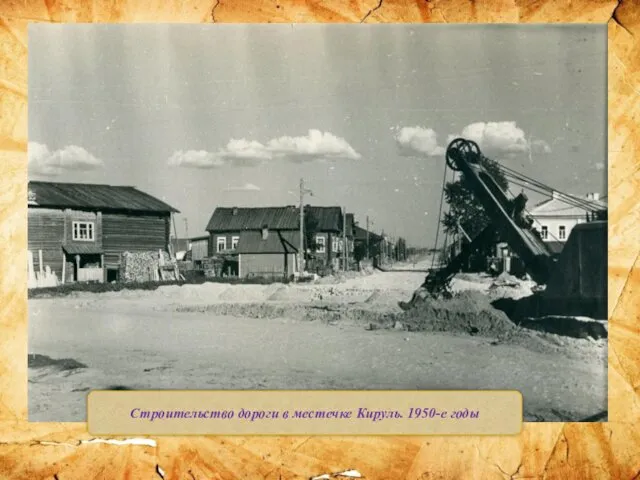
(508, 286)
(243, 293)
(506, 280)
(322, 313)
(288, 293)
(467, 312)
(39, 361)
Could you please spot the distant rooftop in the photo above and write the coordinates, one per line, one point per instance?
(225, 219)
(567, 205)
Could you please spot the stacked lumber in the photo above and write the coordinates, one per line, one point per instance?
(151, 266)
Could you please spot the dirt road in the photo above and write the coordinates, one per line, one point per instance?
(141, 341)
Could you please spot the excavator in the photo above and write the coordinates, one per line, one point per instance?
(573, 284)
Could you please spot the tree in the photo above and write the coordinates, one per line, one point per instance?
(464, 206)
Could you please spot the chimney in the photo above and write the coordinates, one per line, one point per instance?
(265, 232)
(235, 210)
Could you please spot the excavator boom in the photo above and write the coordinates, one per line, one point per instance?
(507, 216)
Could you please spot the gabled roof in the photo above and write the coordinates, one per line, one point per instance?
(558, 207)
(94, 197)
(226, 219)
(277, 241)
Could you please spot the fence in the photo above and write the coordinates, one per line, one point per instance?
(44, 277)
(92, 274)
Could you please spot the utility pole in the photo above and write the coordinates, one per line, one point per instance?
(301, 252)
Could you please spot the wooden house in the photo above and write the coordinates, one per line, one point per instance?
(228, 226)
(79, 231)
(362, 241)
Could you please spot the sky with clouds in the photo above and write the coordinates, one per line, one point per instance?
(235, 115)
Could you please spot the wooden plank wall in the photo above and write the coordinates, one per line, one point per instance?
(132, 233)
(46, 232)
(79, 216)
(199, 249)
(263, 263)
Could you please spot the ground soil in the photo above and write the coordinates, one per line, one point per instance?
(349, 334)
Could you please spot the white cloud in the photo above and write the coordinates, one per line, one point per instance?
(72, 157)
(195, 159)
(247, 187)
(244, 149)
(418, 141)
(316, 145)
(501, 138)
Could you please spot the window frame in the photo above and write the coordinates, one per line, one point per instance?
(234, 242)
(321, 243)
(221, 241)
(544, 232)
(562, 232)
(90, 231)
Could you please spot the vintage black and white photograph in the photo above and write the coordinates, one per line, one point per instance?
(323, 207)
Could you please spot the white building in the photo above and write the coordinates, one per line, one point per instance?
(556, 217)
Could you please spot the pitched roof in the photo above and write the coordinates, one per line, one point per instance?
(277, 241)
(558, 207)
(226, 219)
(94, 197)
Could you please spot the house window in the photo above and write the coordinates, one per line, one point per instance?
(222, 244)
(335, 244)
(83, 231)
(562, 232)
(545, 232)
(320, 242)
(234, 242)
